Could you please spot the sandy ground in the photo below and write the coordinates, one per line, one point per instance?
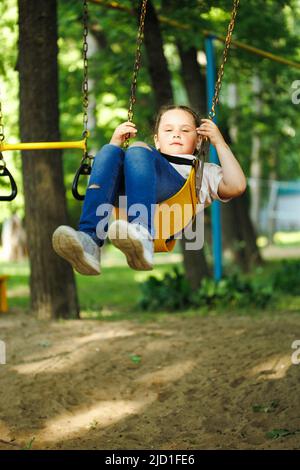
(177, 383)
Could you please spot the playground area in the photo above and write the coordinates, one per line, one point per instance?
(125, 379)
(171, 322)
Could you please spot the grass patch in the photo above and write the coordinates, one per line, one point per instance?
(115, 294)
(287, 238)
(280, 239)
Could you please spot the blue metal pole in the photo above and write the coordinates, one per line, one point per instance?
(213, 157)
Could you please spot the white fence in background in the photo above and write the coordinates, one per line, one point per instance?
(277, 205)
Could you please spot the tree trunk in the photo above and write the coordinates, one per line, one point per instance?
(194, 79)
(239, 232)
(157, 63)
(255, 175)
(53, 290)
(255, 168)
(194, 261)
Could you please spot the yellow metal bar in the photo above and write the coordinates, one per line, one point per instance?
(79, 144)
(256, 51)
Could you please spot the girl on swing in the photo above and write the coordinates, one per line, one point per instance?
(146, 177)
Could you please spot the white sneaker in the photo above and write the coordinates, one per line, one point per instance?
(78, 248)
(136, 243)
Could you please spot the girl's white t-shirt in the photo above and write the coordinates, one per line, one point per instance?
(212, 175)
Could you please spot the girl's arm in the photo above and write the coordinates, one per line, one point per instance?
(234, 182)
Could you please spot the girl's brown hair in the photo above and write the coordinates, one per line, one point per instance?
(166, 108)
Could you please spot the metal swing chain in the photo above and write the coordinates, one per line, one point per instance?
(85, 84)
(2, 137)
(204, 148)
(137, 65)
(85, 164)
(3, 169)
(231, 25)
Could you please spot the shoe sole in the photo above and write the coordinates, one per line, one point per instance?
(66, 245)
(123, 238)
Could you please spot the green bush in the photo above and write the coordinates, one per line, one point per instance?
(173, 292)
(233, 291)
(287, 277)
(170, 293)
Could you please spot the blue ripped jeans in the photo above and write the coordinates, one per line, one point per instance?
(140, 173)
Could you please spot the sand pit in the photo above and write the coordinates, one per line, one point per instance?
(177, 383)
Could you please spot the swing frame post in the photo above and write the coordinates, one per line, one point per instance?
(213, 158)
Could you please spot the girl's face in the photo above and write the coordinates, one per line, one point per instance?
(177, 133)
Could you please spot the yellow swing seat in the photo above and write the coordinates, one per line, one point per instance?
(172, 215)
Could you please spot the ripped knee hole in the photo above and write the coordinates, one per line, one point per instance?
(140, 144)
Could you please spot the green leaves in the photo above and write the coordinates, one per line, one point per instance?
(173, 292)
(286, 279)
(233, 290)
(265, 408)
(28, 445)
(277, 433)
(135, 358)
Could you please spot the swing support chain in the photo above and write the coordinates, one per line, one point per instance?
(86, 161)
(3, 169)
(2, 136)
(231, 25)
(205, 143)
(137, 65)
(85, 83)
